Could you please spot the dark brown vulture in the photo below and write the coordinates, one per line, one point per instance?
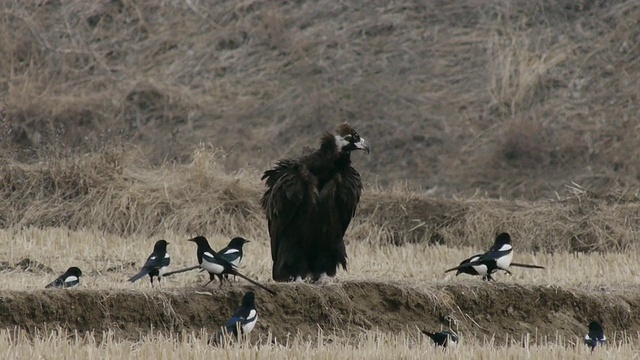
(309, 204)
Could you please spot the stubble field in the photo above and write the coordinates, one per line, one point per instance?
(391, 290)
(122, 123)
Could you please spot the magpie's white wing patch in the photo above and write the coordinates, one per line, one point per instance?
(505, 247)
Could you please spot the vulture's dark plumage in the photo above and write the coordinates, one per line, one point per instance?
(309, 204)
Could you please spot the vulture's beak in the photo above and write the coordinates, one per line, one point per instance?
(363, 145)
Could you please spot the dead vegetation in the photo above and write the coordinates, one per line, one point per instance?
(60, 343)
(118, 192)
(508, 98)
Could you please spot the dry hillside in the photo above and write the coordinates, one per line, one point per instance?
(511, 98)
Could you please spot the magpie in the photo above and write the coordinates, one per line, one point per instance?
(443, 338)
(243, 320)
(216, 265)
(69, 280)
(499, 257)
(233, 252)
(156, 264)
(595, 335)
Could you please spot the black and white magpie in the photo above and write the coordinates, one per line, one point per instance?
(595, 335)
(157, 263)
(216, 265)
(499, 257)
(70, 279)
(243, 320)
(233, 252)
(443, 338)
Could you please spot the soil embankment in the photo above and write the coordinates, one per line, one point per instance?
(478, 309)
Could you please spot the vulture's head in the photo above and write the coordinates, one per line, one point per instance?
(348, 139)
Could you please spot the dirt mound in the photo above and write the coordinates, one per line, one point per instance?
(475, 308)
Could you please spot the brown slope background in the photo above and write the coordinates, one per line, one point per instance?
(512, 99)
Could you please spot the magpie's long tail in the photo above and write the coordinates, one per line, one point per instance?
(429, 334)
(527, 266)
(235, 272)
(55, 283)
(139, 275)
(181, 270)
(466, 265)
(458, 268)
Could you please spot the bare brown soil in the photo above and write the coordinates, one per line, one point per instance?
(475, 309)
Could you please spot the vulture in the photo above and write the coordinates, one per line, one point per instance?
(309, 203)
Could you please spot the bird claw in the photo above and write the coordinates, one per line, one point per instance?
(323, 280)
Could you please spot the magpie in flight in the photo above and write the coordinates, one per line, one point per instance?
(69, 280)
(156, 264)
(243, 320)
(595, 335)
(497, 258)
(443, 338)
(217, 265)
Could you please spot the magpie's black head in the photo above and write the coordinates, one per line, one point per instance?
(502, 239)
(249, 299)
(161, 245)
(200, 241)
(595, 329)
(237, 242)
(74, 271)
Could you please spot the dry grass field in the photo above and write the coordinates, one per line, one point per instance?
(370, 345)
(125, 122)
(103, 212)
